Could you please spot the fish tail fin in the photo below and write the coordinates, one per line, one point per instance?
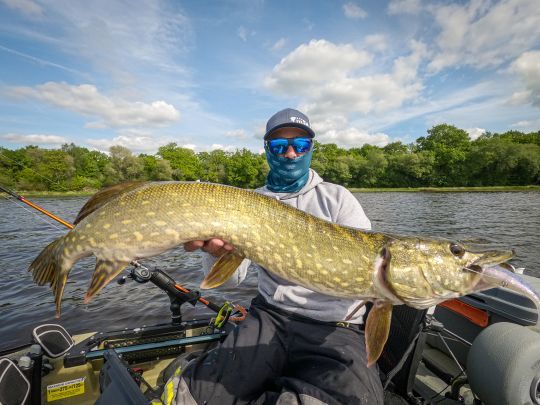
(50, 267)
(105, 271)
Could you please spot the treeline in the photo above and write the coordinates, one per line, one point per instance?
(446, 156)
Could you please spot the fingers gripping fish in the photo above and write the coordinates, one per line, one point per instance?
(139, 220)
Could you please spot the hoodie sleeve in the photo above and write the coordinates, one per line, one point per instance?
(351, 212)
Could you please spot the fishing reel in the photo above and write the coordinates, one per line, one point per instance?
(140, 274)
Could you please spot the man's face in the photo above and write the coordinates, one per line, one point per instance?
(289, 133)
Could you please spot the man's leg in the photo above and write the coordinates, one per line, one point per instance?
(244, 366)
(331, 363)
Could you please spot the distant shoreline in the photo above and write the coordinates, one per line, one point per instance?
(445, 189)
(353, 190)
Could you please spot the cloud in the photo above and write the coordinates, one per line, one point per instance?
(225, 148)
(27, 7)
(34, 139)
(39, 60)
(242, 33)
(475, 133)
(527, 125)
(122, 40)
(328, 79)
(135, 140)
(280, 43)
(354, 11)
(111, 112)
(527, 67)
(313, 64)
(404, 7)
(353, 137)
(377, 42)
(237, 133)
(482, 35)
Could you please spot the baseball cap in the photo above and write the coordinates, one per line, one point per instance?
(289, 117)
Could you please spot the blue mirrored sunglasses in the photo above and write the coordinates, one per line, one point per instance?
(279, 146)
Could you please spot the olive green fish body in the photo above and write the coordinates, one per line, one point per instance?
(149, 218)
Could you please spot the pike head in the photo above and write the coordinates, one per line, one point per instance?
(423, 272)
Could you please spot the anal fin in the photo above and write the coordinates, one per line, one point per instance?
(105, 271)
(377, 329)
(222, 270)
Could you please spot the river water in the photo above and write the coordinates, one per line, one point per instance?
(510, 219)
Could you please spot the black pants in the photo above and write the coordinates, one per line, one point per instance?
(274, 353)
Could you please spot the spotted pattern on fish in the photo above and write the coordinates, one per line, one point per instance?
(149, 219)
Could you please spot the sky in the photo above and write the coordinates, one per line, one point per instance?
(208, 74)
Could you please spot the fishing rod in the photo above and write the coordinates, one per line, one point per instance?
(178, 287)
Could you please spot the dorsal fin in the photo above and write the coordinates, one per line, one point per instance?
(105, 195)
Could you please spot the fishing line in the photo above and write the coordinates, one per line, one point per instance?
(34, 214)
(503, 283)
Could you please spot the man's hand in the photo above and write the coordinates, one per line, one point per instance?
(216, 247)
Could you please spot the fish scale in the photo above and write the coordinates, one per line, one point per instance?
(132, 221)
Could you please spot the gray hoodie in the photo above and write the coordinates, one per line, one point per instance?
(327, 201)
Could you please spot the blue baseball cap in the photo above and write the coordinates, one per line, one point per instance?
(288, 117)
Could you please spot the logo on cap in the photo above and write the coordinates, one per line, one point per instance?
(300, 120)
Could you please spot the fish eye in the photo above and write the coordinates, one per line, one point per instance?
(457, 250)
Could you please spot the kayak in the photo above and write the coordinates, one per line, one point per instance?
(427, 358)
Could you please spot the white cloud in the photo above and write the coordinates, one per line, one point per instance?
(237, 133)
(337, 129)
(279, 44)
(135, 140)
(527, 67)
(242, 33)
(35, 139)
(328, 78)
(122, 40)
(475, 133)
(225, 148)
(527, 125)
(354, 11)
(313, 64)
(353, 137)
(404, 7)
(111, 112)
(27, 7)
(482, 34)
(377, 42)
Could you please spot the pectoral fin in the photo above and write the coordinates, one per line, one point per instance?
(377, 329)
(222, 270)
(105, 271)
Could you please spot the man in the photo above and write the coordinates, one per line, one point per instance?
(294, 347)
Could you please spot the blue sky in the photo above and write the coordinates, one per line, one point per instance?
(208, 74)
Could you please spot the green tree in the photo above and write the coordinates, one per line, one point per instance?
(244, 169)
(183, 161)
(156, 168)
(123, 166)
(214, 165)
(450, 146)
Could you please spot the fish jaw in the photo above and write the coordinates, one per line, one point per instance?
(504, 275)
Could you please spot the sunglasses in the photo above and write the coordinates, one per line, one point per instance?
(279, 146)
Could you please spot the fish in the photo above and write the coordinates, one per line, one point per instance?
(133, 221)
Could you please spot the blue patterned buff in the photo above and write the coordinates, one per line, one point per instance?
(287, 175)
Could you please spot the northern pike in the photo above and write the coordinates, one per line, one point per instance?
(137, 220)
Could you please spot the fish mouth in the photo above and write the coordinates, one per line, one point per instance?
(494, 257)
(504, 275)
